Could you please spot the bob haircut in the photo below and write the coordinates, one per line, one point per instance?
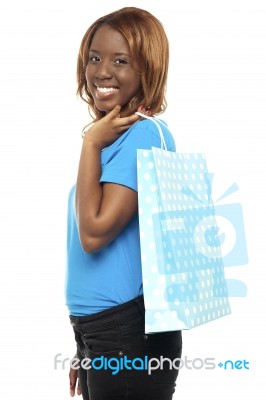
(149, 48)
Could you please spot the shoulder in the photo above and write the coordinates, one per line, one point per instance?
(146, 132)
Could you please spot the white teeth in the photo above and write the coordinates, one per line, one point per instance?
(106, 89)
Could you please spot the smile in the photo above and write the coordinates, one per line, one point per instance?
(105, 92)
(107, 89)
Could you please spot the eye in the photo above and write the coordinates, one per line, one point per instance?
(94, 59)
(120, 61)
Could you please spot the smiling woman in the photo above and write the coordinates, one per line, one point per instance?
(122, 67)
(141, 46)
(112, 76)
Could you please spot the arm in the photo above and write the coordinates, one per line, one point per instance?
(102, 210)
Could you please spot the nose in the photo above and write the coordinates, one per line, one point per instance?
(104, 70)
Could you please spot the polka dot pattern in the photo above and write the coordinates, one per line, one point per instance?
(183, 273)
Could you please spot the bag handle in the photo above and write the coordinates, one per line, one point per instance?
(153, 119)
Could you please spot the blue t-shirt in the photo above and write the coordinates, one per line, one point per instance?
(111, 276)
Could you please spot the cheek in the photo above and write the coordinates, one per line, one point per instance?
(135, 83)
(88, 75)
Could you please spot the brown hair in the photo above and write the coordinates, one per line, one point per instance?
(149, 47)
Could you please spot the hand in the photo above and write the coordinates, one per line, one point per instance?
(107, 130)
(74, 382)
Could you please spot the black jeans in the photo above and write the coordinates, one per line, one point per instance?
(116, 335)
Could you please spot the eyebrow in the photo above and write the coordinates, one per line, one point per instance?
(115, 54)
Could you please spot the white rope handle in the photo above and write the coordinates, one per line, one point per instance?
(153, 119)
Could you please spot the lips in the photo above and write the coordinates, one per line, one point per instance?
(103, 92)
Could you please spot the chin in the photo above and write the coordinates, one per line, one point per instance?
(109, 106)
(105, 107)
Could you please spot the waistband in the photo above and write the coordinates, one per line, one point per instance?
(114, 315)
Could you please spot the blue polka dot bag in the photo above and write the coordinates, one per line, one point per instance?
(182, 267)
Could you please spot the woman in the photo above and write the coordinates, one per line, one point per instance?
(122, 68)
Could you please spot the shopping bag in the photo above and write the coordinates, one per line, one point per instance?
(182, 267)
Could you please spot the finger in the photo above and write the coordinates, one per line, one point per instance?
(115, 112)
(78, 388)
(126, 121)
(122, 129)
(134, 118)
(72, 382)
(72, 389)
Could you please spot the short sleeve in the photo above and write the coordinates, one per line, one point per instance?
(119, 161)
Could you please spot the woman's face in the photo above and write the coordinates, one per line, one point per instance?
(111, 73)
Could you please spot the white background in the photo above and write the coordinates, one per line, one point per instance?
(217, 100)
